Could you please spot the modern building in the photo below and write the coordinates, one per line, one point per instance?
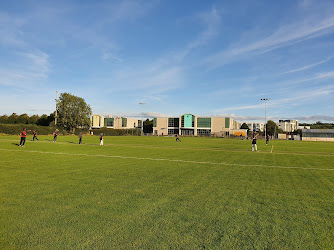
(99, 121)
(288, 125)
(189, 124)
(255, 126)
(318, 135)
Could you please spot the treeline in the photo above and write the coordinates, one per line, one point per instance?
(318, 125)
(15, 129)
(44, 120)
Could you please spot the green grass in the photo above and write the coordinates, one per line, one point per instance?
(151, 192)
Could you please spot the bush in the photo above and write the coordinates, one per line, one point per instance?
(15, 129)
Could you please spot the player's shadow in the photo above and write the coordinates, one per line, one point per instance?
(16, 144)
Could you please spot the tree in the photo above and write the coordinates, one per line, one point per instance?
(43, 120)
(33, 119)
(23, 119)
(148, 126)
(73, 112)
(12, 119)
(244, 126)
(4, 119)
(272, 128)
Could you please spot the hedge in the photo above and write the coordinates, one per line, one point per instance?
(15, 129)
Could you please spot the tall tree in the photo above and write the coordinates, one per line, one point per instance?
(73, 112)
(43, 120)
(33, 119)
(272, 128)
(12, 119)
(23, 119)
(244, 126)
(4, 119)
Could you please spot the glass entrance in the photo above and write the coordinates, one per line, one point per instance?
(187, 132)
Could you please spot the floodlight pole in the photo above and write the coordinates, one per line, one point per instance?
(265, 116)
(56, 108)
(142, 117)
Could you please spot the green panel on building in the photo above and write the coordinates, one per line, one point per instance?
(188, 121)
(227, 122)
(204, 122)
(108, 122)
(154, 122)
(124, 122)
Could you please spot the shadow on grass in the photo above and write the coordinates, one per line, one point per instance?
(16, 144)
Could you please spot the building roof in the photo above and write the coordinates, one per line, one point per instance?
(320, 131)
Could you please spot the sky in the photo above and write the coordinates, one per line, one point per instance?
(207, 58)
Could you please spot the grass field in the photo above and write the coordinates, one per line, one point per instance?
(151, 192)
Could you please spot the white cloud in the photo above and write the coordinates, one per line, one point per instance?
(28, 68)
(298, 98)
(307, 66)
(308, 27)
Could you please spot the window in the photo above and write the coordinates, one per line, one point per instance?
(124, 122)
(173, 122)
(108, 122)
(203, 132)
(204, 122)
(172, 131)
(154, 122)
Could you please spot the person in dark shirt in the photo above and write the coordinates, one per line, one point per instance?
(177, 138)
(55, 134)
(254, 146)
(34, 136)
(267, 139)
(80, 138)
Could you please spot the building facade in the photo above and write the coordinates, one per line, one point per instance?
(255, 126)
(318, 135)
(100, 121)
(189, 124)
(288, 125)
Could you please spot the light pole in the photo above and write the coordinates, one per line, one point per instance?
(142, 117)
(56, 109)
(265, 117)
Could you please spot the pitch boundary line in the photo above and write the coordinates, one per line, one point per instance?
(170, 160)
(182, 148)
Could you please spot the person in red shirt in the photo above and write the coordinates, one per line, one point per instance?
(23, 137)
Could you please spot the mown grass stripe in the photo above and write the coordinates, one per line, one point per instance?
(169, 160)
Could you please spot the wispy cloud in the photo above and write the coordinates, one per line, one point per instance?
(307, 66)
(29, 67)
(211, 19)
(297, 98)
(308, 27)
(315, 118)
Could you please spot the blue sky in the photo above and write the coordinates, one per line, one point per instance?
(209, 58)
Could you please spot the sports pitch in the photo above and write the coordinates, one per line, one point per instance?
(153, 192)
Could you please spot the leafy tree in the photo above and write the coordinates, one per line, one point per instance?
(33, 119)
(12, 119)
(148, 126)
(23, 119)
(272, 128)
(43, 120)
(4, 119)
(73, 112)
(244, 126)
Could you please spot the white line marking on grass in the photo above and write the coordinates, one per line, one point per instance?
(170, 160)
